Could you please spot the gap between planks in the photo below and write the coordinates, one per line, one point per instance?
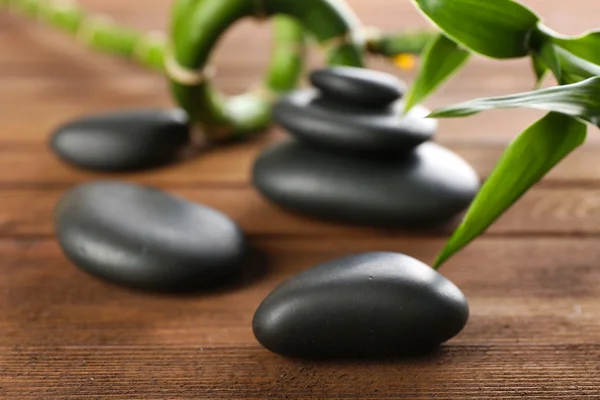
(542, 212)
(231, 165)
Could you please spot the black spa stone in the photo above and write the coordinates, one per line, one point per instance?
(427, 187)
(377, 304)
(343, 128)
(144, 238)
(123, 140)
(358, 86)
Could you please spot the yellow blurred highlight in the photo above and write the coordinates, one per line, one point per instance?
(405, 61)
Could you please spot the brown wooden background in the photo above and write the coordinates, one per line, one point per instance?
(533, 281)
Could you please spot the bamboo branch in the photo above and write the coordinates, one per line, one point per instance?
(96, 31)
(195, 29)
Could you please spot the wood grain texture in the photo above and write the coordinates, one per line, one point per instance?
(462, 372)
(533, 281)
(549, 211)
(232, 165)
(538, 291)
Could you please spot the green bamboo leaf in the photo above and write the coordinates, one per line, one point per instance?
(493, 28)
(586, 46)
(526, 160)
(576, 68)
(569, 78)
(441, 59)
(572, 68)
(550, 57)
(580, 100)
(540, 69)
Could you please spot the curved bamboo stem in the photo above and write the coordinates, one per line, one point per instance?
(196, 29)
(66, 16)
(184, 53)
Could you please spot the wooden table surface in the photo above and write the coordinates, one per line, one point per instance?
(533, 281)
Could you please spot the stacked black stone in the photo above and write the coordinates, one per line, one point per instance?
(356, 157)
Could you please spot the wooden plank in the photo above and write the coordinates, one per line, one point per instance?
(552, 372)
(543, 211)
(30, 165)
(532, 280)
(521, 291)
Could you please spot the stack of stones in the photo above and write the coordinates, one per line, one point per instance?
(356, 157)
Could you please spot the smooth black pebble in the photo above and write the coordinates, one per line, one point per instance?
(376, 304)
(142, 237)
(124, 140)
(360, 86)
(341, 128)
(427, 187)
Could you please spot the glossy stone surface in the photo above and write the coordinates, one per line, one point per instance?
(359, 86)
(427, 187)
(142, 237)
(376, 304)
(343, 128)
(123, 140)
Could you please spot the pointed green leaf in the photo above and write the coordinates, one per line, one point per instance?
(586, 46)
(569, 78)
(576, 67)
(441, 59)
(540, 69)
(493, 28)
(548, 54)
(526, 160)
(580, 100)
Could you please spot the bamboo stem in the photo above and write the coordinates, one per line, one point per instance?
(148, 49)
(391, 45)
(96, 31)
(183, 57)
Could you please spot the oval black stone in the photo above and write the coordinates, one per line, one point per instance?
(376, 304)
(142, 237)
(427, 187)
(123, 140)
(342, 128)
(359, 86)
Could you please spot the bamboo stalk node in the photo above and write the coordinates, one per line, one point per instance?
(89, 27)
(337, 41)
(186, 76)
(146, 41)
